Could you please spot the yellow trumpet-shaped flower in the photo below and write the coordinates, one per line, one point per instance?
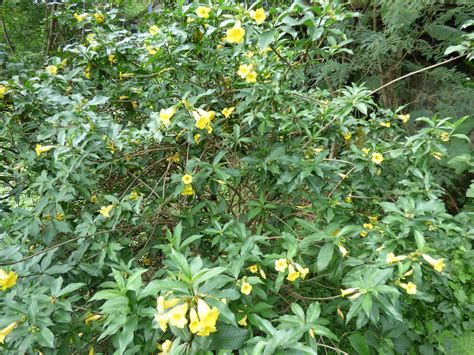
(3, 90)
(244, 70)
(188, 190)
(134, 195)
(281, 265)
(203, 11)
(165, 347)
(227, 111)
(392, 258)
(105, 210)
(162, 304)
(404, 118)
(377, 158)
(203, 118)
(7, 279)
(292, 274)
(385, 124)
(39, 149)
(81, 17)
(243, 321)
(246, 288)
(187, 179)
(410, 287)
(258, 15)
(203, 322)
(166, 115)
(99, 18)
(177, 317)
(253, 268)
(235, 34)
(162, 320)
(7, 330)
(343, 250)
(368, 226)
(348, 291)
(303, 271)
(153, 30)
(52, 69)
(92, 318)
(437, 264)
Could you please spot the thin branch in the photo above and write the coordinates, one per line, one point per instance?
(416, 72)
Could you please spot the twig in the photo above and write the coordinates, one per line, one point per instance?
(416, 72)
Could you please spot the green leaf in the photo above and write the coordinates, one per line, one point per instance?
(229, 337)
(46, 337)
(266, 38)
(359, 344)
(325, 256)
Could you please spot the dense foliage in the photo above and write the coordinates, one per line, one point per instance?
(211, 183)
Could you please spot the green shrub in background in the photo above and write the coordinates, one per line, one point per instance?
(186, 189)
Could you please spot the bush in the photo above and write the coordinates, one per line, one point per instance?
(186, 186)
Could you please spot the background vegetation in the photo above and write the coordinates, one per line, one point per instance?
(251, 177)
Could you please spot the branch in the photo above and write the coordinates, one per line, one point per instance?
(416, 72)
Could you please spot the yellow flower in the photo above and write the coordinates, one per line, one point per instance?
(281, 265)
(292, 273)
(52, 69)
(343, 250)
(134, 195)
(368, 226)
(409, 272)
(92, 318)
(187, 179)
(258, 15)
(203, 11)
(303, 271)
(197, 138)
(404, 118)
(392, 258)
(385, 124)
(377, 158)
(188, 190)
(165, 347)
(7, 330)
(99, 18)
(235, 34)
(244, 70)
(177, 317)
(347, 136)
(348, 291)
(203, 118)
(162, 304)
(243, 321)
(189, 19)
(153, 30)
(60, 216)
(437, 155)
(3, 90)
(246, 288)
(87, 71)
(209, 128)
(151, 50)
(410, 287)
(373, 219)
(94, 198)
(444, 136)
(175, 158)
(348, 199)
(105, 210)
(39, 149)
(162, 320)
(253, 268)
(365, 151)
(111, 58)
(363, 234)
(7, 279)
(251, 77)
(203, 322)
(166, 115)
(228, 111)
(80, 17)
(437, 264)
